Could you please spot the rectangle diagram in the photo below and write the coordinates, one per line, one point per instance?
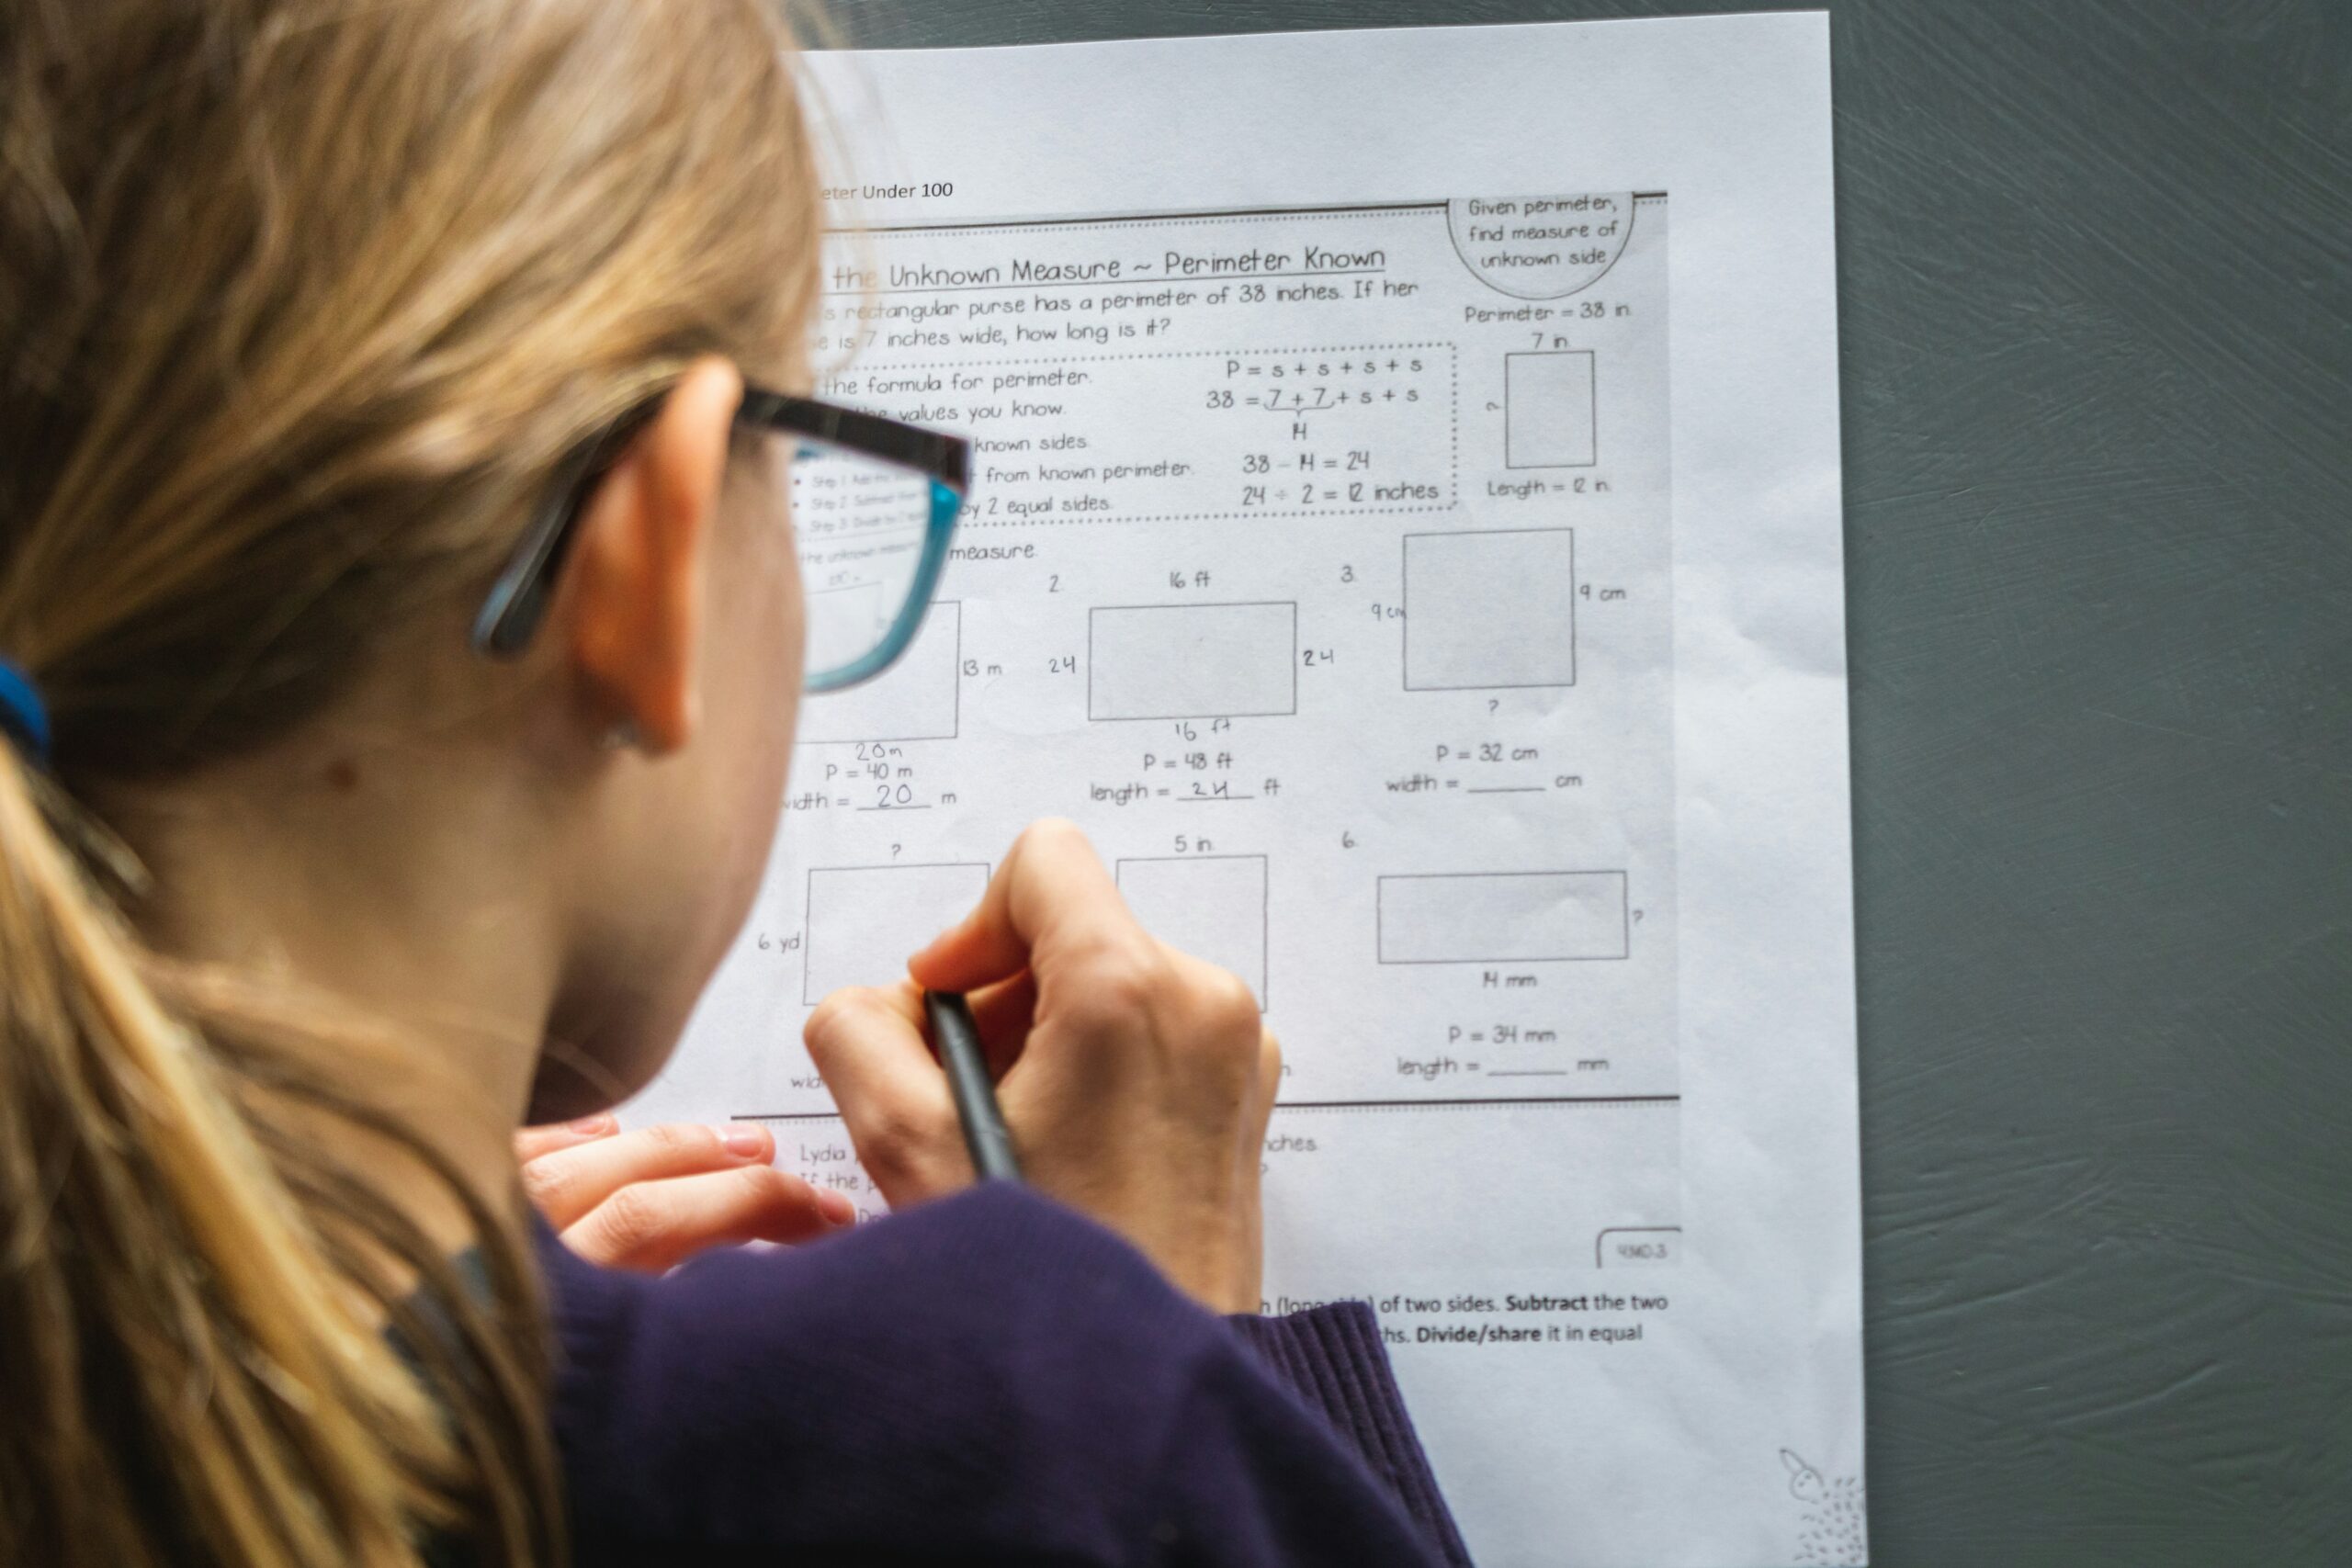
(1549, 417)
(1192, 661)
(863, 920)
(1509, 916)
(915, 699)
(1485, 609)
(1212, 907)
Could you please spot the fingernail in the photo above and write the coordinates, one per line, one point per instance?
(601, 1122)
(835, 1206)
(743, 1142)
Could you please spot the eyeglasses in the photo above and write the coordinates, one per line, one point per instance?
(874, 502)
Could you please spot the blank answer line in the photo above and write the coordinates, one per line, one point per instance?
(1464, 1102)
(1504, 789)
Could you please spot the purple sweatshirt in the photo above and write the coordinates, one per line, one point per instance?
(990, 1377)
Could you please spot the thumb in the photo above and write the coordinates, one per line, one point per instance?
(1050, 893)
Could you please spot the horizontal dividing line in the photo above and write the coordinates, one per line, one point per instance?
(1152, 219)
(1480, 1100)
(1086, 282)
(1197, 353)
(1473, 1103)
(1123, 220)
(1336, 509)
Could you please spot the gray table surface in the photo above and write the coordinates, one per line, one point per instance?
(2096, 273)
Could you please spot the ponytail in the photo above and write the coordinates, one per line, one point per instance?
(188, 1377)
(302, 303)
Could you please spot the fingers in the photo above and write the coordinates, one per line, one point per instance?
(1052, 891)
(531, 1143)
(868, 1045)
(567, 1184)
(1218, 1008)
(1003, 1013)
(650, 1198)
(1270, 1086)
(655, 1226)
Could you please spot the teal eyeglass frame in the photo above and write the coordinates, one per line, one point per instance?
(517, 600)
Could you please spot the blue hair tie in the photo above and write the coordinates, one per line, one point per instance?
(23, 715)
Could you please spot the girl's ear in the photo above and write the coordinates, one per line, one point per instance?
(634, 588)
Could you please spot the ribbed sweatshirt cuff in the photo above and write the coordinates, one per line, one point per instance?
(1332, 1358)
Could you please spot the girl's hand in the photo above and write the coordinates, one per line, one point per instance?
(1136, 1080)
(651, 1198)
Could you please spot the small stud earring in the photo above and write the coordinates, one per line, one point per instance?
(621, 737)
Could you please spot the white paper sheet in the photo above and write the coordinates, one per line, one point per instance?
(1407, 536)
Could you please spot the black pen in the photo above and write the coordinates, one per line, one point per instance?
(957, 1040)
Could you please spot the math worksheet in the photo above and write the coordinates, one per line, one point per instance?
(1404, 533)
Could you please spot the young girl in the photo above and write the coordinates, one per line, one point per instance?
(401, 636)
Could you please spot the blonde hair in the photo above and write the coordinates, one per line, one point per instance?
(303, 302)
